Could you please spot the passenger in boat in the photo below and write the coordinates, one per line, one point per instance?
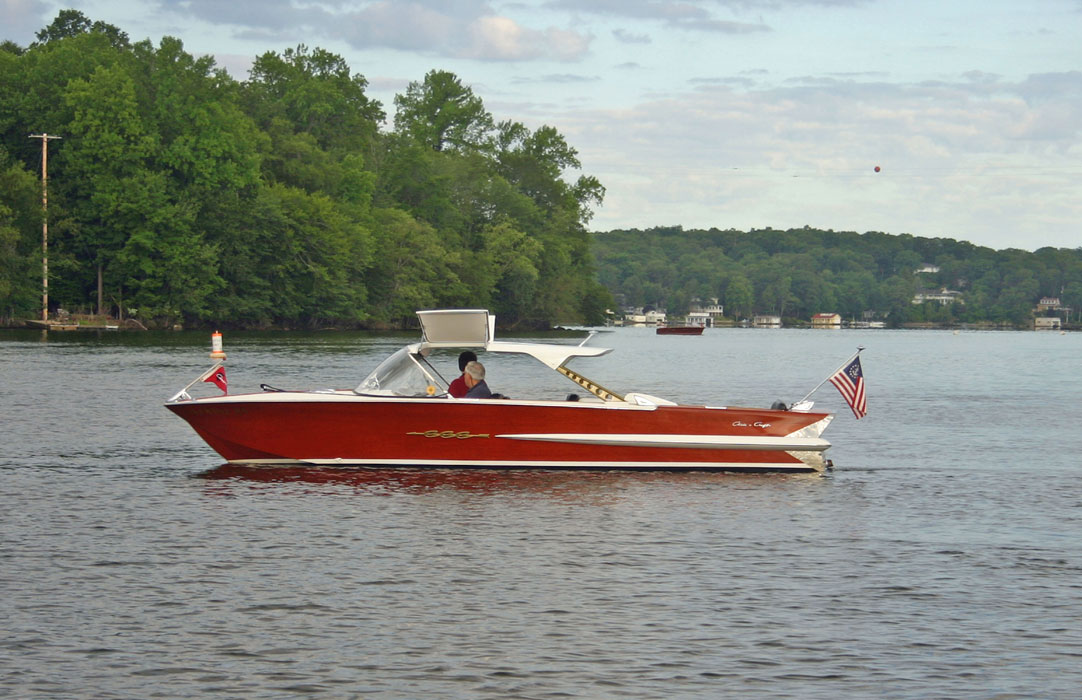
(475, 380)
(458, 387)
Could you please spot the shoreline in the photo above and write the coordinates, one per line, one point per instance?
(113, 325)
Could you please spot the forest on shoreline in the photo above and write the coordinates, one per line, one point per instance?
(179, 196)
(797, 273)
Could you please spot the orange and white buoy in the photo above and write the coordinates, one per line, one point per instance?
(216, 351)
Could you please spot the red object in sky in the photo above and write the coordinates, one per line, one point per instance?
(877, 168)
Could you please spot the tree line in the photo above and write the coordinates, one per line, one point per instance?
(799, 272)
(178, 194)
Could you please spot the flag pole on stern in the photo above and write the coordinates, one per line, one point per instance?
(851, 400)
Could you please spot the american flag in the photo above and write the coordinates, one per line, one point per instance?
(850, 382)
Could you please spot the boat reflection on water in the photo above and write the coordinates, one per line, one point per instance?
(572, 484)
(391, 478)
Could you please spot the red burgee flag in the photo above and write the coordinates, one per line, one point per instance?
(850, 382)
(218, 378)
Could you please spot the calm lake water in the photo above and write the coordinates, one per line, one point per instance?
(941, 559)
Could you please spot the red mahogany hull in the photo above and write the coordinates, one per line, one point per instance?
(345, 429)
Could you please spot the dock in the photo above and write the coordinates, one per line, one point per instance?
(68, 326)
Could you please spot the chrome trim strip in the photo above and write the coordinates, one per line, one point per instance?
(710, 442)
(518, 464)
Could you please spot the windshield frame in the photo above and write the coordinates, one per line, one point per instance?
(402, 374)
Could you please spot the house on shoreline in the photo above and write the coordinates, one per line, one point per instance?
(706, 314)
(766, 321)
(944, 296)
(825, 320)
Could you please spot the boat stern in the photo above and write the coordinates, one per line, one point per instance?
(815, 459)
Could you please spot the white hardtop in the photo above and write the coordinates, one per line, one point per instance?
(475, 328)
(407, 372)
(458, 328)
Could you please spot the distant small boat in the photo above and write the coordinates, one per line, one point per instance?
(679, 330)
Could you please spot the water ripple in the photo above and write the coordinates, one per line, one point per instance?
(133, 567)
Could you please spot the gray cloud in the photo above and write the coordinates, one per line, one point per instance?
(22, 19)
(493, 38)
(693, 15)
(627, 37)
(977, 76)
(559, 78)
(721, 26)
(264, 17)
(1043, 87)
(1054, 109)
(407, 26)
(457, 28)
(725, 81)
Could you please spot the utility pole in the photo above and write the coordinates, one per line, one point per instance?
(44, 221)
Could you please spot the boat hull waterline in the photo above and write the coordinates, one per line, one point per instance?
(344, 429)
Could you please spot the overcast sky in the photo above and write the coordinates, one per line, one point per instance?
(723, 113)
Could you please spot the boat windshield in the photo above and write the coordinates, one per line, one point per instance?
(401, 375)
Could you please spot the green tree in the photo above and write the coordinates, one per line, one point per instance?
(775, 292)
(420, 181)
(1018, 298)
(739, 297)
(411, 268)
(442, 113)
(33, 85)
(70, 23)
(514, 258)
(856, 292)
(898, 291)
(295, 258)
(20, 241)
(108, 145)
(165, 269)
(313, 92)
(535, 163)
(202, 139)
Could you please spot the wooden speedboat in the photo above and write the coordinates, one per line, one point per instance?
(401, 415)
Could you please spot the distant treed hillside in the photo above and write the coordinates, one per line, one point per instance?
(178, 194)
(800, 272)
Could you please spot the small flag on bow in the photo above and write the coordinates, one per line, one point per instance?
(850, 382)
(217, 376)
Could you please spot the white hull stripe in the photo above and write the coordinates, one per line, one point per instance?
(498, 464)
(710, 442)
